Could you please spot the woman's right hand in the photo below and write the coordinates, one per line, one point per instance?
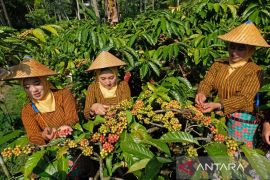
(48, 133)
(99, 109)
(200, 99)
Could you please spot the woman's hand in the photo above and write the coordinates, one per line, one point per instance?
(48, 133)
(200, 99)
(208, 107)
(64, 131)
(266, 132)
(99, 109)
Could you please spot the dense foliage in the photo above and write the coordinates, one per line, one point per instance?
(168, 53)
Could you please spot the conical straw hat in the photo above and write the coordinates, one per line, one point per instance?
(29, 68)
(105, 60)
(246, 33)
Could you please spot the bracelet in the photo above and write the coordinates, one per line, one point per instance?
(221, 107)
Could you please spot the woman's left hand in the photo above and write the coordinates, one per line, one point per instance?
(209, 107)
(64, 131)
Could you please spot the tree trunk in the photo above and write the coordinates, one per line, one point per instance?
(153, 4)
(78, 10)
(141, 6)
(112, 11)
(94, 5)
(145, 2)
(5, 12)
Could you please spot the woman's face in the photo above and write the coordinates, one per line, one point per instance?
(34, 88)
(238, 52)
(107, 79)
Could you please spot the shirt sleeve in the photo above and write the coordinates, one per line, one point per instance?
(207, 84)
(69, 106)
(31, 127)
(251, 86)
(125, 91)
(89, 101)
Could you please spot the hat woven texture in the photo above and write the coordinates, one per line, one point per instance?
(246, 33)
(105, 60)
(29, 68)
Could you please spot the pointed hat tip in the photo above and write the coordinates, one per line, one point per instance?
(248, 22)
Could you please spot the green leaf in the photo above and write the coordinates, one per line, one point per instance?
(132, 40)
(151, 87)
(185, 82)
(163, 24)
(139, 132)
(162, 146)
(178, 136)
(61, 152)
(221, 126)
(91, 124)
(62, 166)
(216, 149)
(144, 70)
(224, 7)
(164, 96)
(129, 58)
(258, 162)
(78, 127)
(56, 141)
(50, 170)
(22, 141)
(94, 40)
(149, 39)
(218, 153)
(217, 7)
(50, 29)
(133, 52)
(176, 95)
(249, 10)
(233, 10)
(152, 98)
(125, 137)
(108, 161)
(152, 169)
(129, 159)
(165, 160)
(8, 137)
(253, 17)
(138, 165)
(39, 34)
(116, 166)
(80, 137)
(155, 68)
(198, 40)
(84, 35)
(138, 150)
(172, 80)
(196, 56)
(32, 162)
(129, 116)
(168, 27)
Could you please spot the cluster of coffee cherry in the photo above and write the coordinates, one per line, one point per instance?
(17, 150)
(114, 124)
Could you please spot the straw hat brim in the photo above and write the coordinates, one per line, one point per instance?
(105, 60)
(29, 68)
(246, 33)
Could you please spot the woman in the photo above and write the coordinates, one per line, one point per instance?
(266, 127)
(237, 80)
(107, 90)
(50, 112)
